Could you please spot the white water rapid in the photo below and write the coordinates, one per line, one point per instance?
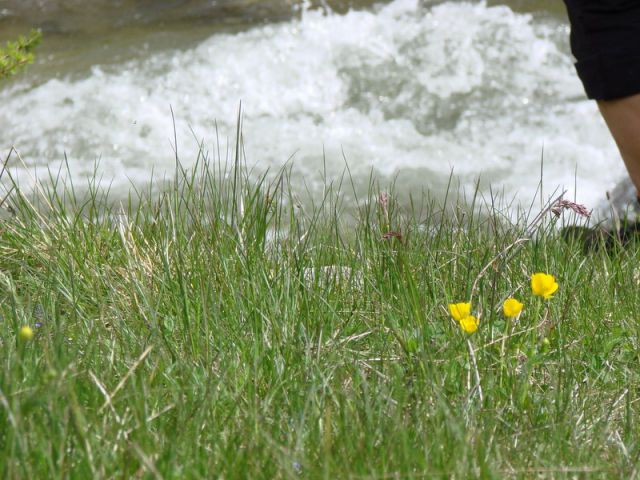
(405, 89)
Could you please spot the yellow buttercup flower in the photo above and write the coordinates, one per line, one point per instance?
(459, 310)
(543, 285)
(469, 324)
(512, 307)
(26, 333)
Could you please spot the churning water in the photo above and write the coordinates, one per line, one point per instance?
(404, 89)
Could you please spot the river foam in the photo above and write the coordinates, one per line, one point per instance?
(406, 90)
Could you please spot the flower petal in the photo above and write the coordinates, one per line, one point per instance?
(460, 310)
(512, 307)
(25, 333)
(469, 324)
(551, 290)
(543, 285)
(537, 284)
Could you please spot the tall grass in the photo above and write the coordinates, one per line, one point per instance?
(214, 327)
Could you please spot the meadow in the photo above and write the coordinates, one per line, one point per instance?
(213, 326)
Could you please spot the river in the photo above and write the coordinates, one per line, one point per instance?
(404, 89)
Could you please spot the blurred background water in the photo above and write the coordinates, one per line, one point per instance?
(408, 89)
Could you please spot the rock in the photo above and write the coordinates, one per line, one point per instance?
(620, 204)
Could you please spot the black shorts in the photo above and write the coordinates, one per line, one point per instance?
(605, 39)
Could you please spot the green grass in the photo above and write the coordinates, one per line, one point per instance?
(188, 336)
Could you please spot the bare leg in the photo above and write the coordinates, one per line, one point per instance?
(623, 118)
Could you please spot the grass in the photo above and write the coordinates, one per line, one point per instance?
(194, 333)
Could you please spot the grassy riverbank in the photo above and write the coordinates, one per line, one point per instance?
(197, 335)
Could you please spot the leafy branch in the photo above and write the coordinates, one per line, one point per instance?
(17, 54)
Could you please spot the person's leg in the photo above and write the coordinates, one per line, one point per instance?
(623, 119)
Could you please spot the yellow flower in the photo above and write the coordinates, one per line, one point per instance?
(469, 324)
(459, 310)
(25, 333)
(543, 285)
(512, 307)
